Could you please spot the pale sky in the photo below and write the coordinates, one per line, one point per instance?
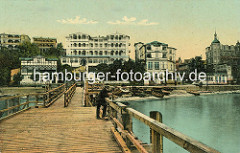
(187, 25)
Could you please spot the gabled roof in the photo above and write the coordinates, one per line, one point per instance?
(157, 43)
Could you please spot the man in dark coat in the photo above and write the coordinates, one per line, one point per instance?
(102, 102)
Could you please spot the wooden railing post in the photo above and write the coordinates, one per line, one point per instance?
(7, 105)
(127, 124)
(18, 103)
(155, 137)
(27, 100)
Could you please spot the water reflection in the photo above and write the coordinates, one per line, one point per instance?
(211, 119)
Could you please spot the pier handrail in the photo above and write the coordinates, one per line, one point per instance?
(52, 95)
(68, 94)
(14, 105)
(125, 125)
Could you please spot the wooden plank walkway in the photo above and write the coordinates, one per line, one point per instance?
(57, 129)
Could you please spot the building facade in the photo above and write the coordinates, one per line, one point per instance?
(158, 57)
(45, 43)
(83, 49)
(41, 65)
(222, 58)
(12, 41)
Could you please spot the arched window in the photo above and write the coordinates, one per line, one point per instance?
(84, 52)
(83, 36)
(100, 53)
(116, 37)
(116, 45)
(75, 45)
(74, 36)
(79, 37)
(79, 52)
(91, 52)
(105, 52)
(84, 44)
(75, 52)
(116, 53)
(96, 52)
(112, 45)
(112, 52)
(121, 52)
(79, 44)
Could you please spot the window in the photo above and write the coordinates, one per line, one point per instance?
(150, 65)
(96, 45)
(105, 52)
(149, 47)
(91, 52)
(79, 44)
(84, 52)
(100, 53)
(164, 55)
(149, 55)
(100, 45)
(96, 52)
(74, 36)
(90, 61)
(156, 65)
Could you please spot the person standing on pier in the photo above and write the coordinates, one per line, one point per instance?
(100, 101)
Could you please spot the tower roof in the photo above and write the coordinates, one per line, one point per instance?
(215, 38)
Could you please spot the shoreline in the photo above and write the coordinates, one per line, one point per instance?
(174, 94)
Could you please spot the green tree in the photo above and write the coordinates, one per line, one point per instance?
(27, 49)
(17, 78)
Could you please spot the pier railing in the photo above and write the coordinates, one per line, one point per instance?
(122, 118)
(12, 105)
(68, 94)
(15, 104)
(52, 95)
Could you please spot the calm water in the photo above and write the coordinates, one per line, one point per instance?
(212, 119)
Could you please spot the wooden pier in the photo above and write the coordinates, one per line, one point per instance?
(58, 129)
(61, 122)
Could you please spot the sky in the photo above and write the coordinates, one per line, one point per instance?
(187, 25)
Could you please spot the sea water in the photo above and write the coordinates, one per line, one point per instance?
(212, 119)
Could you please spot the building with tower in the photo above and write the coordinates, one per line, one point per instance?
(223, 61)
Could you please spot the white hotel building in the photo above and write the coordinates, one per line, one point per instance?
(83, 49)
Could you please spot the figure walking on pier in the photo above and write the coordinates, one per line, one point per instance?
(102, 102)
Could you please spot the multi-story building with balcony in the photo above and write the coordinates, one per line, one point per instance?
(12, 41)
(83, 49)
(41, 65)
(158, 57)
(44, 44)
